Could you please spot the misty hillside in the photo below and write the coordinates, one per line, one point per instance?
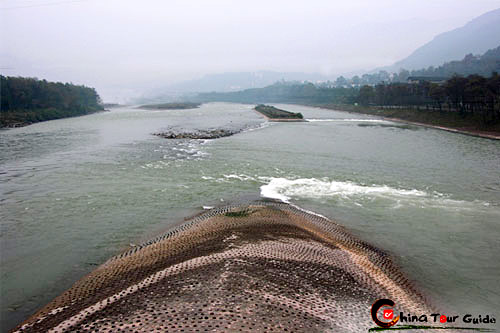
(483, 65)
(240, 80)
(477, 36)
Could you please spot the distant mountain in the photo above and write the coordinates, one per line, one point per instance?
(483, 65)
(283, 92)
(477, 36)
(224, 82)
(235, 81)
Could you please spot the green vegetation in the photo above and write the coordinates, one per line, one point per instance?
(430, 117)
(169, 106)
(482, 65)
(474, 100)
(286, 92)
(28, 100)
(275, 113)
(471, 103)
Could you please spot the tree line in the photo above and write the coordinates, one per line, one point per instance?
(482, 65)
(471, 64)
(285, 92)
(29, 100)
(474, 95)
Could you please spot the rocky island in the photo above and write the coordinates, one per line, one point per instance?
(275, 114)
(197, 134)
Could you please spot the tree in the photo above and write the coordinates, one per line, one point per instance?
(455, 89)
(341, 81)
(26, 100)
(438, 94)
(366, 95)
(403, 75)
(356, 80)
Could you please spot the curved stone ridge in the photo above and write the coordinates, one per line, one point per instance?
(260, 267)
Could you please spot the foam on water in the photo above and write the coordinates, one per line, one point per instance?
(284, 189)
(311, 188)
(258, 127)
(348, 192)
(178, 151)
(240, 177)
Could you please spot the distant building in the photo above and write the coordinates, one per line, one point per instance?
(420, 79)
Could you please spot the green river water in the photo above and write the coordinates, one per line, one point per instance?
(74, 192)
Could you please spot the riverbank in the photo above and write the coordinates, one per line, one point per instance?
(170, 106)
(446, 121)
(262, 266)
(29, 100)
(18, 119)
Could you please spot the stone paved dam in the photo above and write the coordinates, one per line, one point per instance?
(260, 267)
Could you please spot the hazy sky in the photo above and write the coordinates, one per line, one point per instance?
(123, 46)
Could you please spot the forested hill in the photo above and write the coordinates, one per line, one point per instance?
(477, 36)
(482, 65)
(285, 92)
(27, 100)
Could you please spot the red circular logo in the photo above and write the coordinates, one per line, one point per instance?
(388, 314)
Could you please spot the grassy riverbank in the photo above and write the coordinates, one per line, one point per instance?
(20, 118)
(469, 124)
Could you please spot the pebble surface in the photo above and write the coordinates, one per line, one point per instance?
(258, 267)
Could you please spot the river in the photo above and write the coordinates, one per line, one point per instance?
(75, 191)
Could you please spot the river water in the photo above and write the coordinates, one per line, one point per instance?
(76, 191)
